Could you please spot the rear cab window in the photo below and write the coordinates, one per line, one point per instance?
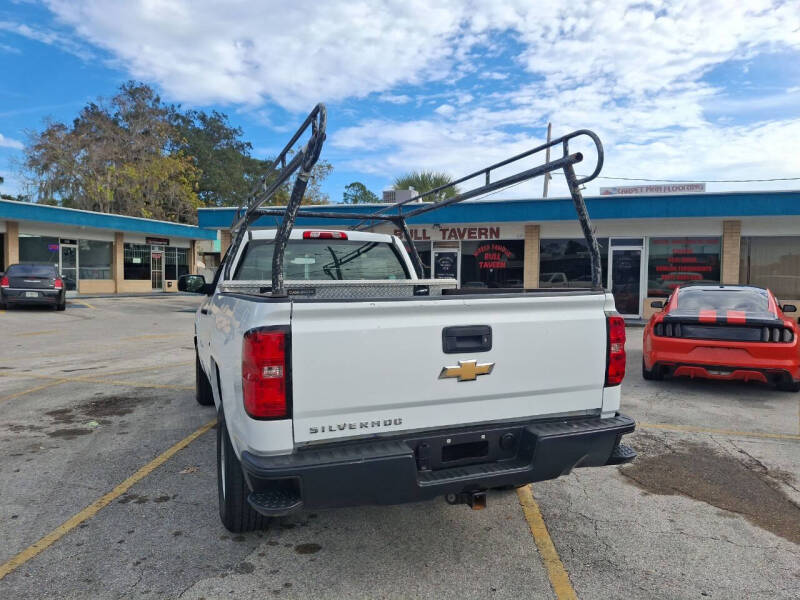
(323, 260)
(37, 271)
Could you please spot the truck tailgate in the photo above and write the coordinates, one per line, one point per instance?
(367, 368)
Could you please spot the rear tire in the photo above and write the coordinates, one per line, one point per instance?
(654, 375)
(62, 306)
(235, 512)
(203, 393)
(788, 385)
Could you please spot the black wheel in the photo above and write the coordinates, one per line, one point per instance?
(788, 385)
(62, 306)
(202, 392)
(236, 514)
(654, 375)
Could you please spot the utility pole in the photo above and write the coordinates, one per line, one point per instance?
(547, 176)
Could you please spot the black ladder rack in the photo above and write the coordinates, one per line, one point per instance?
(304, 160)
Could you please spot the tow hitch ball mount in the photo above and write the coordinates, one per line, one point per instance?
(475, 500)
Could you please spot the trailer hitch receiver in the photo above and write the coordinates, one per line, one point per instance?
(475, 500)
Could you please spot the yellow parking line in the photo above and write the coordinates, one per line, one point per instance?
(147, 369)
(150, 336)
(155, 386)
(100, 380)
(31, 390)
(559, 578)
(86, 304)
(35, 333)
(96, 506)
(692, 429)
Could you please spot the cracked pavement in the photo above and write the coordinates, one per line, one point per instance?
(706, 515)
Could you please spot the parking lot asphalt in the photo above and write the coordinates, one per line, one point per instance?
(92, 398)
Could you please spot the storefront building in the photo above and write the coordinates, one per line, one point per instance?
(649, 243)
(98, 253)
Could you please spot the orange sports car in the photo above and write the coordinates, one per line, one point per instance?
(723, 332)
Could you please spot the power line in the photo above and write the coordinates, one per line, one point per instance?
(696, 180)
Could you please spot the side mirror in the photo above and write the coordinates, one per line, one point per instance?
(789, 308)
(195, 284)
(656, 304)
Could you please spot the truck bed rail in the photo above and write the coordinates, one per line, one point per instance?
(347, 290)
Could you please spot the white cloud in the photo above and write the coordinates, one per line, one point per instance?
(494, 75)
(293, 54)
(6, 142)
(632, 71)
(51, 38)
(395, 98)
(10, 49)
(446, 110)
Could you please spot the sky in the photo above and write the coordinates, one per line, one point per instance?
(685, 90)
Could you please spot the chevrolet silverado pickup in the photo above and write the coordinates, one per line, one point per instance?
(341, 377)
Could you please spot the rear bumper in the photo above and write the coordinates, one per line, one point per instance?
(409, 469)
(754, 361)
(51, 297)
(728, 372)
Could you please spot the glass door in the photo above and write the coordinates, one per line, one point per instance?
(157, 268)
(626, 279)
(68, 267)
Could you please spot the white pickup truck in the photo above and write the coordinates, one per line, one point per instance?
(341, 378)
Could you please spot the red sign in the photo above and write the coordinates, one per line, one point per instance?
(493, 256)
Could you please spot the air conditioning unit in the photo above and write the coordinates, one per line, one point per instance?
(394, 196)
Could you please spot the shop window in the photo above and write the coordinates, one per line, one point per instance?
(176, 263)
(38, 249)
(136, 261)
(566, 262)
(677, 261)
(494, 264)
(94, 259)
(773, 263)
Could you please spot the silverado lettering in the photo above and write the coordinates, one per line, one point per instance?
(354, 425)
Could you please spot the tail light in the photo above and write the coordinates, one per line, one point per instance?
(264, 374)
(4, 282)
(324, 235)
(58, 283)
(615, 354)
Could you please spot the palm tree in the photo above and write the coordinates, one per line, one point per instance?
(425, 181)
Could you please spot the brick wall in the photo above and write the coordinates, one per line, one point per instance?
(531, 264)
(119, 259)
(224, 241)
(11, 244)
(731, 247)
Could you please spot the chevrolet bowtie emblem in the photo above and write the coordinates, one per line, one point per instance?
(467, 370)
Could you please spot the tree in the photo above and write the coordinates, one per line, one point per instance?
(357, 193)
(135, 155)
(227, 169)
(425, 181)
(117, 156)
